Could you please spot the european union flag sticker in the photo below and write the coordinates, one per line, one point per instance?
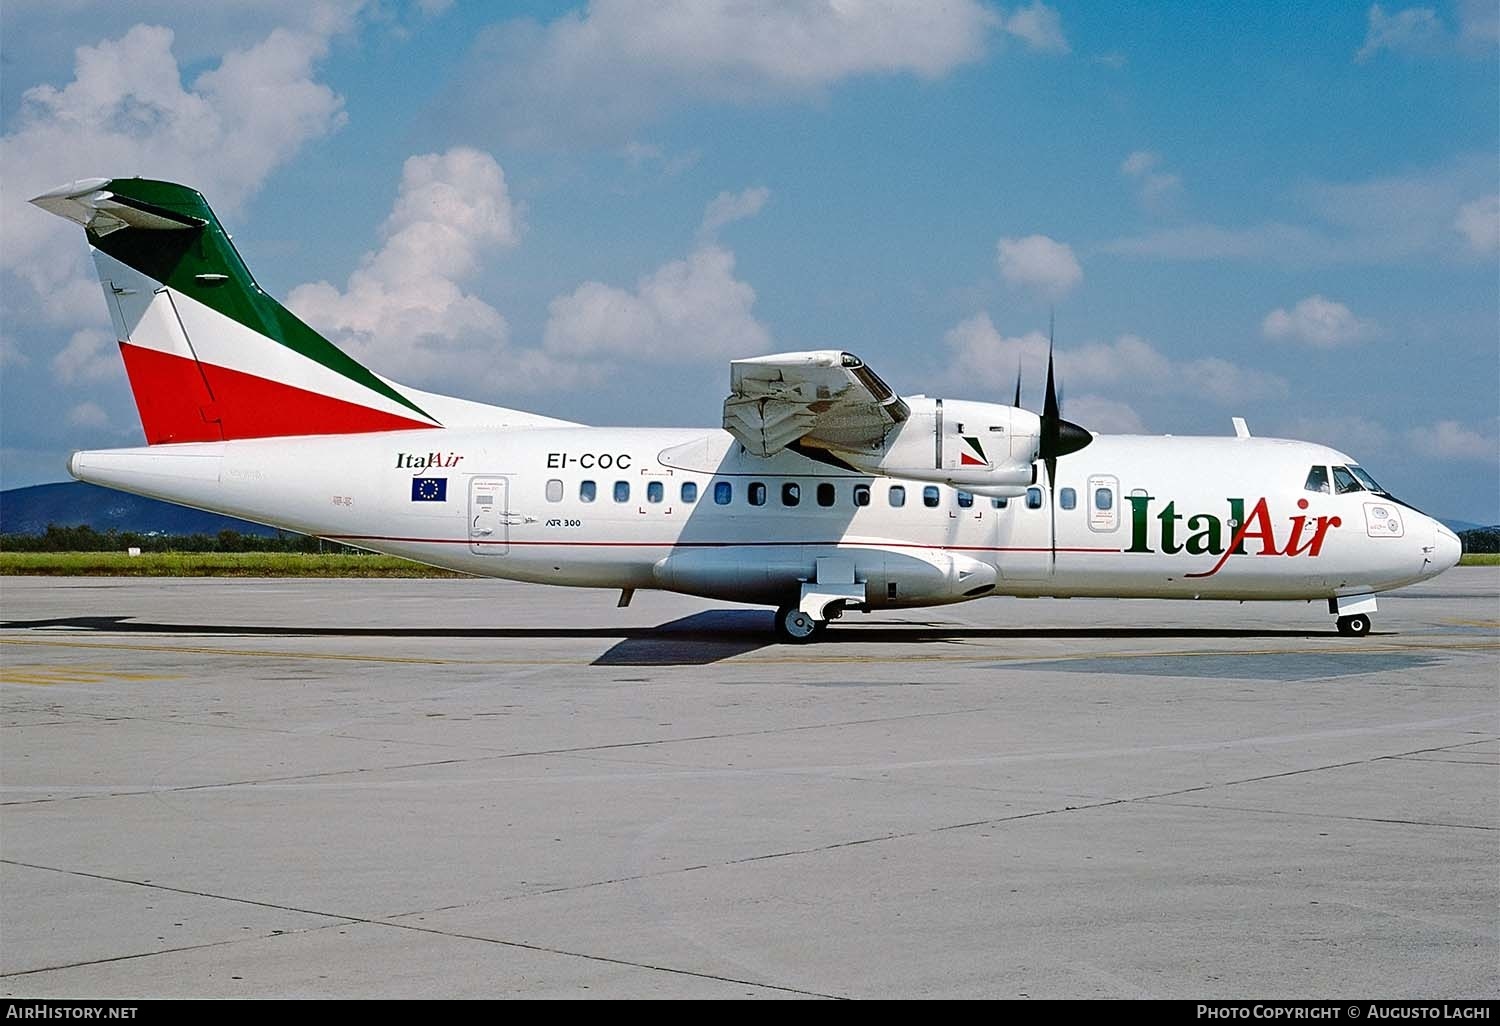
(429, 489)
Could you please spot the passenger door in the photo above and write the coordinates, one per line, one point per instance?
(489, 516)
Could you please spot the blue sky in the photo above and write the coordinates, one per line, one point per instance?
(1287, 212)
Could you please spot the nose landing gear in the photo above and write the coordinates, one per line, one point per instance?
(1356, 626)
(1353, 612)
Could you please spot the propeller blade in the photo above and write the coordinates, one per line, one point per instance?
(1017, 403)
(1058, 438)
(1051, 462)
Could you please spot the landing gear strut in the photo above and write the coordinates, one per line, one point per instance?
(1356, 626)
(793, 625)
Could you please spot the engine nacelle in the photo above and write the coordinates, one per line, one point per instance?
(985, 448)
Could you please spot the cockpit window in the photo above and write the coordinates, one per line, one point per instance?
(1317, 479)
(1365, 479)
(1344, 482)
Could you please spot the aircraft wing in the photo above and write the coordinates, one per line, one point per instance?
(827, 399)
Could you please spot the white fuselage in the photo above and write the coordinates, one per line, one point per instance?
(1136, 516)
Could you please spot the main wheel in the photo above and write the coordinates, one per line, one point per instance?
(793, 625)
(1356, 626)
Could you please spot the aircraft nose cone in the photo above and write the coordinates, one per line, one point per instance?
(1446, 549)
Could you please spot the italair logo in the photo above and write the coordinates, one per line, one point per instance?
(972, 453)
(1203, 534)
(427, 461)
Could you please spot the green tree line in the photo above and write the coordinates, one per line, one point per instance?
(82, 538)
(1481, 539)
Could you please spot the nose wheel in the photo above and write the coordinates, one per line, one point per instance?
(1356, 626)
(1353, 612)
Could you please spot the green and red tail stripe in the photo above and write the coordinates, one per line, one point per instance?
(210, 355)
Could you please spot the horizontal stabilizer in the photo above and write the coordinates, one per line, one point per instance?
(93, 206)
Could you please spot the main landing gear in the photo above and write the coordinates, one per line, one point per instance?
(823, 598)
(797, 627)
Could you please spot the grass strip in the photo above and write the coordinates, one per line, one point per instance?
(211, 564)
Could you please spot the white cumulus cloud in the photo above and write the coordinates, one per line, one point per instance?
(1479, 223)
(985, 361)
(1155, 187)
(404, 311)
(1479, 25)
(727, 207)
(1373, 221)
(1450, 440)
(606, 68)
(127, 112)
(797, 43)
(1415, 30)
(1317, 321)
(1039, 26)
(90, 355)
(1039, 263)
(1105, 415)
(1337, 431)
(690, 309)
(88, 415)
(1421, 32)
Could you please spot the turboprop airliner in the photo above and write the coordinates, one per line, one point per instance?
(823, 492)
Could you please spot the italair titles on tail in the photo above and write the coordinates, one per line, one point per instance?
(210, 356)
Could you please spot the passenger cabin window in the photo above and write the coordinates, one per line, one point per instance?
(965, 500)
(999, 503)
(587, 491)
(898, 495)
(1067, 498)
(554, 490)
(1033, 498)
(757, 493)
(1317, 480)
(1104, 499)
(655, 491)
(861, 495)
(826, 494)
(622, 491)
(1345, 482)
(723, 493)
(689, 492)
(930, 496)
(791, 493)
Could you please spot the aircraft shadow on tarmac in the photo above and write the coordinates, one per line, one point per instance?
(695, 640)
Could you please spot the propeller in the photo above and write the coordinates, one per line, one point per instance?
(1058, 438)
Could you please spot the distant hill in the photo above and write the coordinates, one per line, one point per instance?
(71, 503)
(1460, 526)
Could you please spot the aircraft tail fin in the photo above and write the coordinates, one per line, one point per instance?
(210, 356)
